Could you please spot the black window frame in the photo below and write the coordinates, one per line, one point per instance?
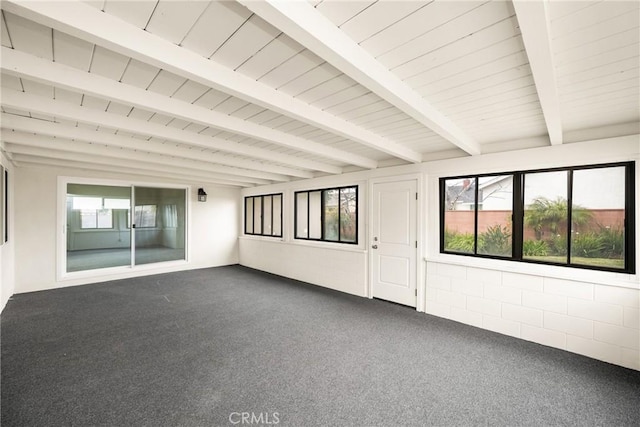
(322, 214)
(518, 209)
(261, 197)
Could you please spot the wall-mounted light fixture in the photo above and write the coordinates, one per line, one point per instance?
(202, 196)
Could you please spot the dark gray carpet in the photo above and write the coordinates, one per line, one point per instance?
(194, 348)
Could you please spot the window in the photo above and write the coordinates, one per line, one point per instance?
(93, 212)
(145, 216)
(577, 216)
(329, 215)
(263, 215)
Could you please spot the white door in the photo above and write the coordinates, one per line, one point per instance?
(394, 242)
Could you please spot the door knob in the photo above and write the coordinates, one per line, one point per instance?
(374, 246)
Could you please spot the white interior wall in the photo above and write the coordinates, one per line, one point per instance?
(7, 270)
(587, 312)
(213, 237)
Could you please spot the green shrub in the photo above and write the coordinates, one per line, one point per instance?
(495, 241)
(612, 241)
(535, 248)
(587, 245)
(558, 245)
(458, 242)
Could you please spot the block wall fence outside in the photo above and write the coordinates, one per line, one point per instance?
(598, 321)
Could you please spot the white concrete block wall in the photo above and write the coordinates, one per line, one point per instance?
(595, 320)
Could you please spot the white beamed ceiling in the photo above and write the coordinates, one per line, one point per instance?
(243, 94)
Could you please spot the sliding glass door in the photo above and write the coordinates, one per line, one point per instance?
(98, 229)
(103, 231)
(159, 221)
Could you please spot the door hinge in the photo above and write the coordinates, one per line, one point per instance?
(416, 244)
(416, 292)
(416, 196)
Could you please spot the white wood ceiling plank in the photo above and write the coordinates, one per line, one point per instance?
(328, 88)
(339, 97)
(247, 111)
(190, 91)
(30, 37)
(367, 110)
(355, 103)
(575, 40)
(72, 51)
(272, 55)
(339, 12)
(558, 9)
(310, 79)
(5, 39)
(601, 72)
(166, 83)
(384, 115)
(377, 17)
(431, 16)
(277, 121)
(11, 82)
(132, 11)
(509, 98)
(218, 22)
(592, 118)
(474, 20)
(485, 40)
(313, 133)
(591, 59)
(401, 122)
(405, 131)
(518, 59)
(290, 69)
(454, 94)
(172, 20)
(252, 36)
(291, 126)
(139, 74)
(406, 134)
(586, 91)
(107, 63)
(94, 103)
(178, 124)
(37, 88)
(210, 99)
(120, 109)
(264, 116)
(194, 127)
(508, 48)
(602, 100)
(498, 112)
(601, 13)
(595, 48)
(230, 105)
(140, 114)
(160, 119)
(303, 130)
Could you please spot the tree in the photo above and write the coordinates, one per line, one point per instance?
(545, 214)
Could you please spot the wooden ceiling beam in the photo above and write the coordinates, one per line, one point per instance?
(536, 34)
(301, 21)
